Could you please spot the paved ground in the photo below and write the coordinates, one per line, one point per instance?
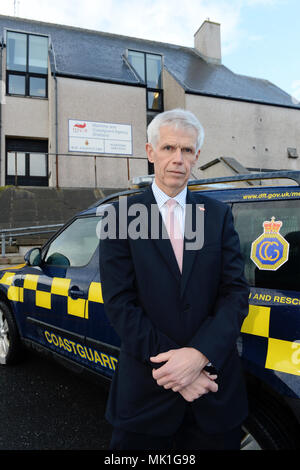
(44, 406)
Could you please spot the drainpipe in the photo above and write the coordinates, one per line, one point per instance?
(53, 70)
(1, 97)
(56, 130)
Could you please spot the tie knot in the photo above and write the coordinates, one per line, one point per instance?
(171, 203)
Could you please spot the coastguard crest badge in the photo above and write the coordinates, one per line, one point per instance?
(270, 250)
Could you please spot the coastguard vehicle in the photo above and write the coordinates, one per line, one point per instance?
(53, 301)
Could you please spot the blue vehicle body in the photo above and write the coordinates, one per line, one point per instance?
(60, 308)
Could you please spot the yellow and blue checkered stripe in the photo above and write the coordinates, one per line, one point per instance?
(275, 352)
(280, 354)
(58, 286)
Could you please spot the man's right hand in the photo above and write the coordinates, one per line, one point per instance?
(203, 384)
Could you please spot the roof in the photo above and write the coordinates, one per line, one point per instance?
(97, 55)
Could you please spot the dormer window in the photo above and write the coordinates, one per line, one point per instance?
(26, 64)
(149, 68)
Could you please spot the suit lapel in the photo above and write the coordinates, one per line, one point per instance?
(159, 235)
(189, 255)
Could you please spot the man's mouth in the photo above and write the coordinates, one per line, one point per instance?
(176, 172)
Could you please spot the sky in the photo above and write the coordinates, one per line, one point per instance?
(259, 38)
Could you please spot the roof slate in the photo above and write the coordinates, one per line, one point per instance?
(99, 56)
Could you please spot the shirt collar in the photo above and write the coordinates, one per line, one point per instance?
(162, 198)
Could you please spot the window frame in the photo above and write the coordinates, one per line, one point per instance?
(268, 280)
(26, 73)
(46, 247)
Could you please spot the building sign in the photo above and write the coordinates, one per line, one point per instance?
(100, 137)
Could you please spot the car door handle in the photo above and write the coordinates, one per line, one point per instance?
(75, 292)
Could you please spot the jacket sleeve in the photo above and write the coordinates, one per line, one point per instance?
(217, 336)
(139, 336)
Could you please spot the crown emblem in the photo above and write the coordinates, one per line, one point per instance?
(270, 226)
(270, 250)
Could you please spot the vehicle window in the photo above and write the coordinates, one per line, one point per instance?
(276, 262)
(76, 245)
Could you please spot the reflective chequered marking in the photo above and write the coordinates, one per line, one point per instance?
(56, 286)
(257, 322)
(281, 355)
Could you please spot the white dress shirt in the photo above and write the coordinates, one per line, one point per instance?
(161, 198)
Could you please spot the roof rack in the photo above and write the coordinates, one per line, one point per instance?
(114, 196)
(142, 182)
(280, 174)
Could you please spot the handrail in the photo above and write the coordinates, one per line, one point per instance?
(28, 228)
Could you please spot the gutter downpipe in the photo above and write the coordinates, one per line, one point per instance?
(53, 69)
(1, 97)
(56, 129)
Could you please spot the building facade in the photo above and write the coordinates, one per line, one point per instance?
(76, 103)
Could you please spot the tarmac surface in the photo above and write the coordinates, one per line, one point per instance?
(44, 406)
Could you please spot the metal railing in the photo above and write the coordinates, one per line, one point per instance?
(55, 161)
(7, 235)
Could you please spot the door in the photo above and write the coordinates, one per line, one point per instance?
(270, 243)
(56, 292)
(26, 162)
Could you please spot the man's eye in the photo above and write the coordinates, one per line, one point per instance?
(168, 147)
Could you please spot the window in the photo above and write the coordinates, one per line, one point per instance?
(153, 70)
(154, 100)
(16, 85)
(76, 245)
(249, 218)
(137, 60)
(26, 64)
(16, 163)
(26, 162)
(149, 67)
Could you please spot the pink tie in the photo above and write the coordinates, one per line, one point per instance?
(174, 231)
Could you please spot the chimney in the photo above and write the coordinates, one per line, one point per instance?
(207, 41)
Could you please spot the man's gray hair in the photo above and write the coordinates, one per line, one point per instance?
(178, 119)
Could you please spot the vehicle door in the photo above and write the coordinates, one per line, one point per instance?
(56, 292)
(102, 341)
(269, 233)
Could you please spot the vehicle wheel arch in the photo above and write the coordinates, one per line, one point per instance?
(10, 330)
(272, 414)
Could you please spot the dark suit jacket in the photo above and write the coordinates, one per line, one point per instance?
(155, 308)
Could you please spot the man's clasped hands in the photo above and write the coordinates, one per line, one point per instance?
(184, 372)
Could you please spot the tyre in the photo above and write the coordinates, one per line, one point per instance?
(10, 345)
(269, 427)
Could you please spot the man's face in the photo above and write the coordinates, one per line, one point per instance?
(173, 157)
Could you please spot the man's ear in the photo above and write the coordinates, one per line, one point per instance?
(150, 152)
(196, 157)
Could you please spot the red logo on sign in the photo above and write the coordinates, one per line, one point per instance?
(81, 126)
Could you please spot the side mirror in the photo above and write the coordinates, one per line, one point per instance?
(33, 257)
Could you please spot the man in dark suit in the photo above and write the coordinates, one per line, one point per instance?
(178, 308)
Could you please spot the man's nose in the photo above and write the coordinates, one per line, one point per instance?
(178, 157)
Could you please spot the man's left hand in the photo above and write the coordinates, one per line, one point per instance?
(182, 366)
